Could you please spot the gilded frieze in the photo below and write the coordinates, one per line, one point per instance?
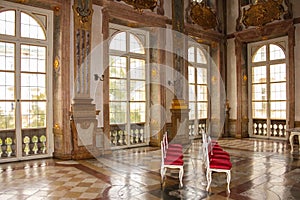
(263, 12)
(140, 5)
(203, 15)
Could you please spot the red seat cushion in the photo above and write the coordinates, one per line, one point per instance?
(177, 161)
(219, 156)
(220, 164)
(174, 156)
(215, 151)
(175, 150)
(175, 145)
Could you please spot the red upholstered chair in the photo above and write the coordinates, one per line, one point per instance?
(171, 147)
(171, 161)
(215, 163)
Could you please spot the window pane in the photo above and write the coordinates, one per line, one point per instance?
(33, 58)
(118, 42)
(260, 55)
(278, 91)
(201, 75)
(201, 57)
(201, 93)
(7, 86)
(7, 56)
(117, 67)
(192, 112)
(259, 74)
(137, 112)
(202, 110)
(259, 92)
(33, 114)
(278, 110)
(276, 52)
(137, 69)
(135, 45)
(191, 74)
(137, 91)
(117, 112)
(278, 72)
(33, 86)
(7, 115)
(117, 89)
(192, 92)
(259, 110)
(30, 28)
(7, 22)
(191, 54)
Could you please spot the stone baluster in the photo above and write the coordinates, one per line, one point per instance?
(142, 135)
(43, 140)
(275, 133)
(35, 140)
(259, 129)
(120, 137)
(26, 141)
(131, 136)
(265, 129)
(124, 138)
(8, 142)
(136, 133)
(255, 128)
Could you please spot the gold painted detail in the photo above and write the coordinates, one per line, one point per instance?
(203, 15)
(140, 5)
(263, 12)
(56, 10)
(56, 127)
(83, 13)
(56, 64)
(179, 104)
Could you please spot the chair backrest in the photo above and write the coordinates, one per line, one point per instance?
(206, 154)
(165, 139)
(163, 154)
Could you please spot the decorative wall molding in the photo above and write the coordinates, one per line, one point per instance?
(261, 12)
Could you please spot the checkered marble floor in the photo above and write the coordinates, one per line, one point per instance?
(261, 169)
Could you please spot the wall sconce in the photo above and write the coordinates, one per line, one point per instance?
(170, 83)
(97, 77)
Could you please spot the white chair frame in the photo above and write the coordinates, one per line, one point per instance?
(164, 167)
(209, 170)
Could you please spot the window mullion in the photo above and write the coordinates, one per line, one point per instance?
(18, 114)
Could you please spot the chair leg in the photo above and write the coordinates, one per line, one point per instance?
(208, 177)
(228, 180)
(162, 174)
(181, 176)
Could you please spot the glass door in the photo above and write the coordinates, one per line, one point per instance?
(25, 103)
(268, 89)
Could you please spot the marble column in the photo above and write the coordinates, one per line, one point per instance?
(179, 108)
(83, 118)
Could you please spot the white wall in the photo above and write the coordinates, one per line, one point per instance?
(231, 78)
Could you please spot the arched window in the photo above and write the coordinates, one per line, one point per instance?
(25, 74)
(268, 89)
(127, 88)
(198, 90)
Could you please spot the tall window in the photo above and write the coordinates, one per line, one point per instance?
(25, 84)
(127, 88)
(268, 88)
(198, 92)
